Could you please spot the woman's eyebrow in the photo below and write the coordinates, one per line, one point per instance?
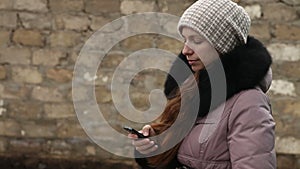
(193, 36)
(196, 36)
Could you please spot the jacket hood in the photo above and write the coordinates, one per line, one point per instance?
(267, 81)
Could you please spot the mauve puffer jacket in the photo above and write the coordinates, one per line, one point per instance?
(242, 137)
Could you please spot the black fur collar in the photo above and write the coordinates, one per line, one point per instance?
(245, 66)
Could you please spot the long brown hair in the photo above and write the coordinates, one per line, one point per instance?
(168, 117)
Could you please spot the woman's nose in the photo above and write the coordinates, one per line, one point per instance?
(187, 50)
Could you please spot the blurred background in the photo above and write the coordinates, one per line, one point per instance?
(40, 41)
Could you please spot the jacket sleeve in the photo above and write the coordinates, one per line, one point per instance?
(251, 136)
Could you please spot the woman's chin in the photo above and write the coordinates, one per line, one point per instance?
(197, 68)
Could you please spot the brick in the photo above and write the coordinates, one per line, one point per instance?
(161, 77)
(287, 145)
(14, 91)
(4, 38)
(287, 32)
(47, 94)
(25, 110)
(60, 75)
(39, 129)
(288, 70)
(66, 5)
(99, 7)
(283, 87)
(86, 58)
(47, 57)
(287, 116)
(57, 111)
(251, 2)
(27, 75)
(103, 95)
(15, 55)
(25, 146)
(90, 150)
(284, 52)
(140, 100)
(135, 6)
(169, 44)
(79, 148)
(28, 37)
(74, 56)
(110, 113)
(292, 2)
(98, 22)
(59, 147)
(72, 22)
(141, 23)
(69, 129)
(259, 1)
(292, 108)
(6, 4)
(31, 5)
(36, 21)
(3, 111)
(260, 31)
(285, 161)
(9, 127)
(104, 77)
(2, 88)
(148, 61)
(297, 163)
(2, 72)
(112, 60)
(8, 19)
(174, 7)
(283, 12)
(138, 42)
(3, 145)
(254, 11)
(64, 39)
(82, 94)
(169, 26)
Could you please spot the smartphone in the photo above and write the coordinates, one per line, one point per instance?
(133, 131)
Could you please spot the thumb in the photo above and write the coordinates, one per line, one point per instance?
(146, 130)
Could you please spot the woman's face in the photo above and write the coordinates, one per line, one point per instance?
(198, 51)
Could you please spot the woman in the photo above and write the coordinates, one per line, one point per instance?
(244, 135)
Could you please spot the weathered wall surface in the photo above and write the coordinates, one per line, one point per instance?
(41, 39)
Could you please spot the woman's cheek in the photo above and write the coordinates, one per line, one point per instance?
(207, 54)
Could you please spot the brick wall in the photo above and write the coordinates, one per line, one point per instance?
(39, 44)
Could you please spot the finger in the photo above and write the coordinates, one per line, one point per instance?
(145, 147)
(132, 136)
(140, 142)
(152, 149)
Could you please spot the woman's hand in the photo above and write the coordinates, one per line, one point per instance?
(144, 146)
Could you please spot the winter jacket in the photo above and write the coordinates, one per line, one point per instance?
(237, 133)
(243, 138)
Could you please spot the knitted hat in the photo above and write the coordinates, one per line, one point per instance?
(222, 22)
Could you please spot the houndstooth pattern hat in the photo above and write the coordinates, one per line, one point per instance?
(222, 22)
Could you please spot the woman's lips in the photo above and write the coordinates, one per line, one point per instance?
(192, 62)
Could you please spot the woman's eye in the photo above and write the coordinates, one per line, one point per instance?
(197, 41)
